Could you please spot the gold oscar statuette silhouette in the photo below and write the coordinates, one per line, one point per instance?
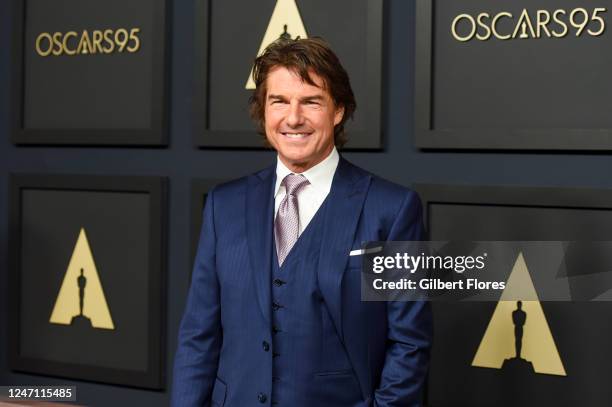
(518, 337)
(81, 319)
(284, 35)
(517, 363)
(81, 300)
(285, 15)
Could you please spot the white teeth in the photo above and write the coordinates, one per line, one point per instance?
(295, 135)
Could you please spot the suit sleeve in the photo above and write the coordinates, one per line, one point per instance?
(410, 329)
(200, 334)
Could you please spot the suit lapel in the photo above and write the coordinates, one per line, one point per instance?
(260, 218)
(346, 200)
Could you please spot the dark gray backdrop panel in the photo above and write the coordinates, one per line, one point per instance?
(90, 99)
(225, 54)
(88, 91)
(538, 83)
(544, 93)
(117, 228)
(124, 221)
(234, 52)
(580, 329)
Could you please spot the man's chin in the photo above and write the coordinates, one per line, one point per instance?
(296, 162)
(295, 153)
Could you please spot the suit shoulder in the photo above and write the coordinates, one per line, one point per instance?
(383, 186)
(231, 189)
(384, 196)
(393, 197)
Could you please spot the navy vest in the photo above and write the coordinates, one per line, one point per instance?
(302, 326)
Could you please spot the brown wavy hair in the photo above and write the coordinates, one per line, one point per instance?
(303, 56)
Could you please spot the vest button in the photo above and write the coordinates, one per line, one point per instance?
(278, 282)
(262, 397)
(265, 345)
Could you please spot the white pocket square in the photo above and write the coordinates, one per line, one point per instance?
(359, 252)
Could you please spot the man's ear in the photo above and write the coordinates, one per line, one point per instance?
(338, 115)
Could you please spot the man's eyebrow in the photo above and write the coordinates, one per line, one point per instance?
(311, 98)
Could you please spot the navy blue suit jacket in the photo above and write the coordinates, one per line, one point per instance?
(219, 360)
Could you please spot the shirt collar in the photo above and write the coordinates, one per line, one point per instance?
(320, 176)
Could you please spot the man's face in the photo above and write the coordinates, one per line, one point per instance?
(299, 119)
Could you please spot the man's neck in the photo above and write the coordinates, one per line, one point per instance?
(299, 168)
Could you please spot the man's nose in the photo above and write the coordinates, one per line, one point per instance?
(295, 117)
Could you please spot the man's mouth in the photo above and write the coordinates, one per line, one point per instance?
(296, 136)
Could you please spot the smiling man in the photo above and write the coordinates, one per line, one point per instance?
(274, 315)
(299, 118)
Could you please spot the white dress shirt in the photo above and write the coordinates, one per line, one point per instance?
(312, 195)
